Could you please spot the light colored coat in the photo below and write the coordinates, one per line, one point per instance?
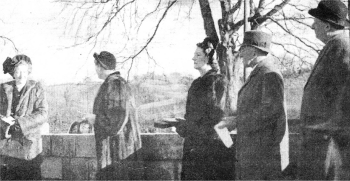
(261, 124)
(31, 113)
(117, 130)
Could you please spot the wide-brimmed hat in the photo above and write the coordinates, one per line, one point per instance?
(106, 60)
(257, 39)
(331, 11)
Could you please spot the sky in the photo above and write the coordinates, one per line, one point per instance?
(40, 30)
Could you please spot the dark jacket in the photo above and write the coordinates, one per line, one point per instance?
(31, 113)
(261, 123)
(321, 106)
(326, 80)
(205, 156)
(117, 130)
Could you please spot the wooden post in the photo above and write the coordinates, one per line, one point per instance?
(246, 28)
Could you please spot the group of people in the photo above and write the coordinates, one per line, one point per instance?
(260, 118)
(24, 110)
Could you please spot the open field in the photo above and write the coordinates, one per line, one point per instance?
(156, 97)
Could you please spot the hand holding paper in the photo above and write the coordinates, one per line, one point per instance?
(228, 122)
(223, 134)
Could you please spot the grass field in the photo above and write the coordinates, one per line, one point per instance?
(156, 97)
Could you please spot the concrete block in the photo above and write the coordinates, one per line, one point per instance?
(46, 145)
(86, 146)
(63, 145)
(51, 168)
(163, 170)
(81, 169)
(161, 146)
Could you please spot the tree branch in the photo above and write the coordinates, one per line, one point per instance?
(236, 7)
(257, 19)
(132, 58)
(209, 25)
(298, 38)
(8, 39)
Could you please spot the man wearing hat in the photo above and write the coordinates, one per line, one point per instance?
(322, 156)
(261, 117)
(117, 130)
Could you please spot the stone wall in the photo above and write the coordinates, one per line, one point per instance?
(72, 157)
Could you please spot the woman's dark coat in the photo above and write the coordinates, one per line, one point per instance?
(31, 113)
(204, 155)
(117, 130)
(261, 124)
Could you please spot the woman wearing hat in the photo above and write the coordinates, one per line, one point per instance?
(261, 116)
(24, 109)
(323, 154)
(205, 157)
(117, 130)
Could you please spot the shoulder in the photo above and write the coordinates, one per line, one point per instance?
(269, 68)
(37, 87)
(7, 84)
(116, 80)
(340, 41)
(215, 79)
(35, 84)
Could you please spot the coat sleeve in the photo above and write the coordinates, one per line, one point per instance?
(30, 123)
(271, 110)
(114, 112)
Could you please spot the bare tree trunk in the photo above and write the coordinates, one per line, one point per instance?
(209, 24)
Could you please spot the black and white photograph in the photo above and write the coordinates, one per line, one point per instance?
(175, 90)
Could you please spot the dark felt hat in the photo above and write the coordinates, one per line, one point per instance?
(106, 60)
(331, 11)
(257, 39)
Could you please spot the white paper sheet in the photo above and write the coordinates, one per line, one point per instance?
(224, 135)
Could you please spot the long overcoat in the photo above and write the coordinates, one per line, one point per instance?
(31, 113)
(204, 155)
(319, 104)
(117, 130)
(261, 124)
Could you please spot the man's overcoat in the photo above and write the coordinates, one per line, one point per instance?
(261, 124)
(321, 94)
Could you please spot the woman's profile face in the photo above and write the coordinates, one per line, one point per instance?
(21, 73)
(199, 58)
(98, 70)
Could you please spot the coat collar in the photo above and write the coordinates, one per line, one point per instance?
(255, 71)
(9, 86)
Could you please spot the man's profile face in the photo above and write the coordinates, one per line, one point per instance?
(320, 29)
